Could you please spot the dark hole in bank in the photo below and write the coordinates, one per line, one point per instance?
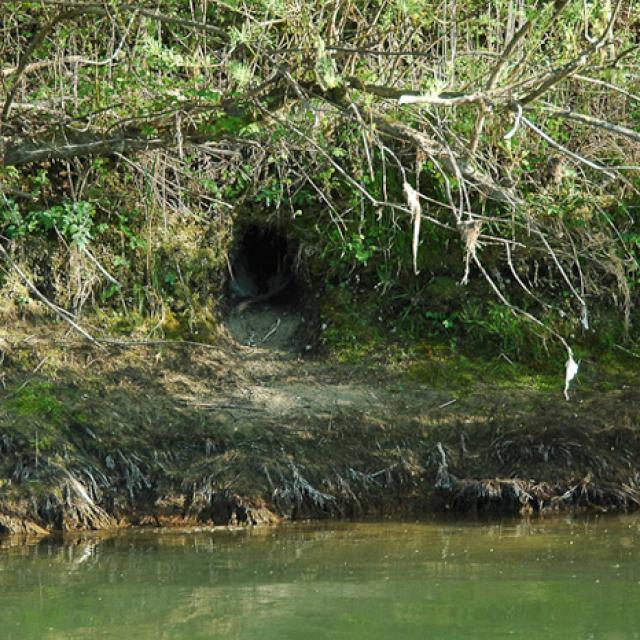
(262, 268)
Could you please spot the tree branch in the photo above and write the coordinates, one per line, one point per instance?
(448, 99)
(591, 121)
(572, 66)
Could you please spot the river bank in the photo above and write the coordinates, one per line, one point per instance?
(175, 434)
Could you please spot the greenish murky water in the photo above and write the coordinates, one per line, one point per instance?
(568, 579)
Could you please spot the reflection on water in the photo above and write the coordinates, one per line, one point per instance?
(546, 579)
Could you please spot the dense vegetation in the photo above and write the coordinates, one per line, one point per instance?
(457, 171)
(456, 186)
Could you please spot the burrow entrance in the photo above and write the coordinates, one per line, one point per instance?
(263, 290)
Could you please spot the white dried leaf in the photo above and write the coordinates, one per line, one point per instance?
(516, 124)
(470, 232)
(413, 200)
(584, 317)
(571, 371)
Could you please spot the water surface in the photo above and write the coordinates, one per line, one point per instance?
(544, 579)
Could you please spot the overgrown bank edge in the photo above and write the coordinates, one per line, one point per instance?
(177, 436)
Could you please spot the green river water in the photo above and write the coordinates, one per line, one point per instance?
(574, 579)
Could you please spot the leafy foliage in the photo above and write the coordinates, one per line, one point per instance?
(73, 220)
(516, 117)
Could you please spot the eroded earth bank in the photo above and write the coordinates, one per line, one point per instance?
(254, 430)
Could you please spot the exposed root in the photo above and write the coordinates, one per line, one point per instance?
(18, 524)
(519, 497)
(300, 493)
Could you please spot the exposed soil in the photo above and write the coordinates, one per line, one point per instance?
(171, 434)
(267, 326)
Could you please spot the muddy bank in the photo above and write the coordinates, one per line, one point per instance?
(164, 434)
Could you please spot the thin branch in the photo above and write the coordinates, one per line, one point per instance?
(559, 74)
(608, 85)
(583, 118)
(103, 8)
(36, 41)
(75, 59)
(564, 150)
(517, 38)
(404, 96)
